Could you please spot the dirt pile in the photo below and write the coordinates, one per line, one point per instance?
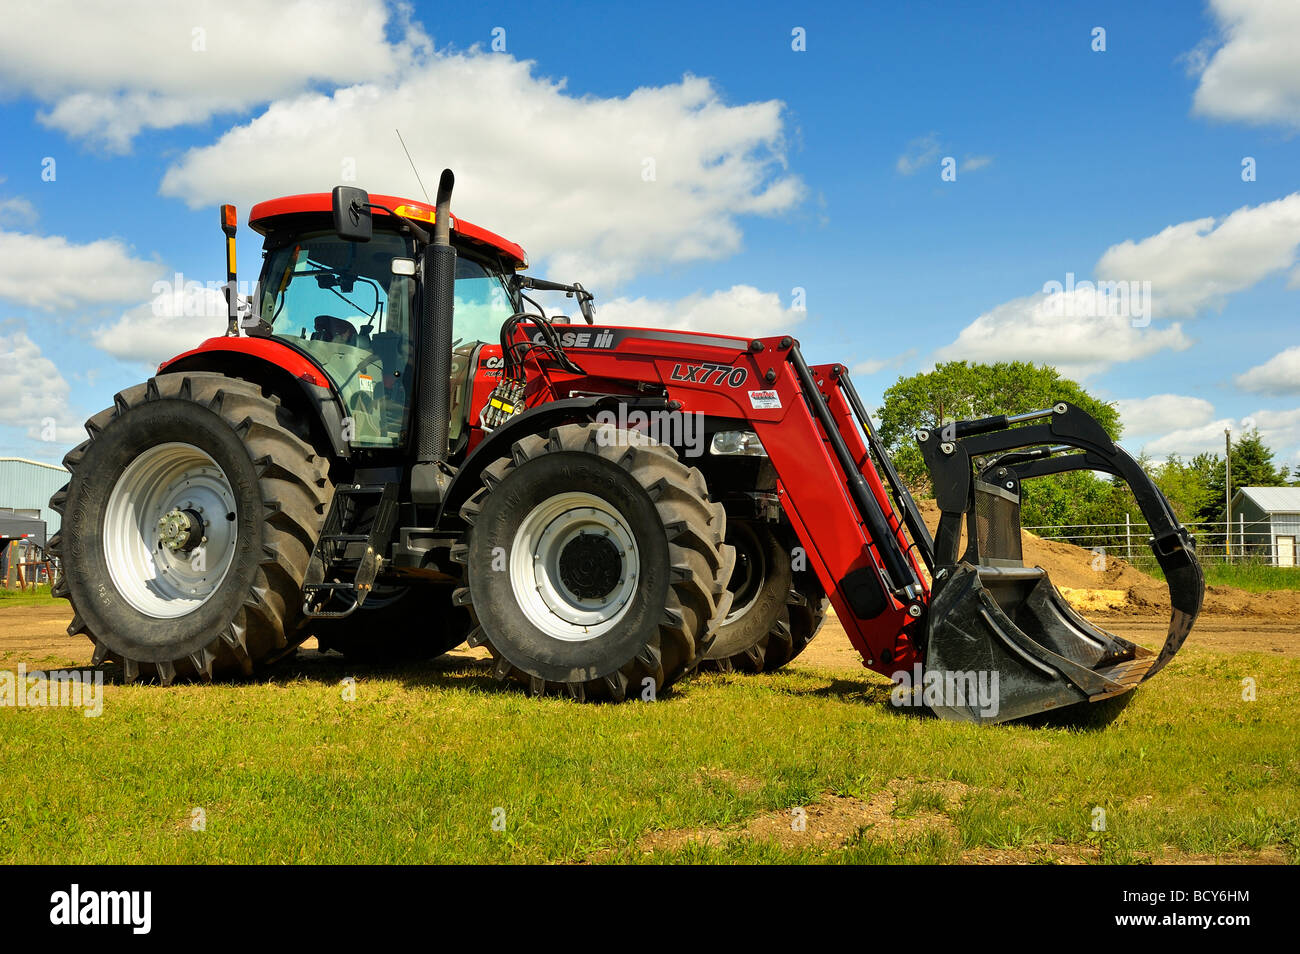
(1111, 584)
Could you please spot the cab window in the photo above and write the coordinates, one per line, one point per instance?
(341, 303)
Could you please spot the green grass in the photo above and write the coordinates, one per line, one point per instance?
(32, 596)
(287, 771)
(1252, 577)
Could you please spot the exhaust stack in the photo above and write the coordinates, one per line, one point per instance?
(429, 478)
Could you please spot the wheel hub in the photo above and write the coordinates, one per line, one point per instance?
(170, 530)
(574, 566)
(589, 565)
(180, 530)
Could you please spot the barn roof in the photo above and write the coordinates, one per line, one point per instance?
(1273, 499)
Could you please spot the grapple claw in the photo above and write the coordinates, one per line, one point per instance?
(999, 630)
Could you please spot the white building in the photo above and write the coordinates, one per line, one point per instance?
(26, 487)
(1267, 521)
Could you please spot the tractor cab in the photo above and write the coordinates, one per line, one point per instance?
(353, 307)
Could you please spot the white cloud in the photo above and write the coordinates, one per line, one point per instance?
(34, 395)
(871, 366)
(1252, 77)
(1280, 374)
(1200, 432)
(1190, 441)
(173, 322)
(109, 70)
(925, 151)
(1281, 431)
(603, 188)
(1084, 327)
(740, 310)
(1163, 413)
(49, 272)
(919, 154)
(1195, 265)
(16, 211)
(1074, 331)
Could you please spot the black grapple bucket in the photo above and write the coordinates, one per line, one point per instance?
(1001, 642)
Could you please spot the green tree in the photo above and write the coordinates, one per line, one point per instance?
(1185, 483)
(959, 390)
(1252, 466)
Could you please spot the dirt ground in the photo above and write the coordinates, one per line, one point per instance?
(1230, 634)
(1109, 591)
(37, 635)
(1113, 594)
(834, 820)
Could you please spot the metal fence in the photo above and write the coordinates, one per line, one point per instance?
(1245, 541)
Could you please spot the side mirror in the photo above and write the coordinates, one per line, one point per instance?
(352, 219)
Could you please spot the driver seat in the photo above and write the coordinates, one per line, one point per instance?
(329, 328)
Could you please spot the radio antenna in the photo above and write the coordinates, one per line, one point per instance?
(412, 162)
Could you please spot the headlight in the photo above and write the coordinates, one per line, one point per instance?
(737, 444)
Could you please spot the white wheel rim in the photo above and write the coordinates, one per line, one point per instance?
(545, 538)
(155, 579)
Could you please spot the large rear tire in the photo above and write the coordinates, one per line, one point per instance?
(595, 564)
(188, 522)
(775, 610)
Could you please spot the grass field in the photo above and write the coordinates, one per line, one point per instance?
(32, 596)
(1251, 577)
(415, 769)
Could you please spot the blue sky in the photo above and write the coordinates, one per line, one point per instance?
(776, 169)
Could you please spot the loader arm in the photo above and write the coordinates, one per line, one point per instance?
(859, 545)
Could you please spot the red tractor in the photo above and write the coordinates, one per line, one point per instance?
(401, 452)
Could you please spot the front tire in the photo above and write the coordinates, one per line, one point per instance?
(595, 564)
(775, 610)
(188, 522)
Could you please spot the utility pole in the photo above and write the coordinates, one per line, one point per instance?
(1227, 491)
